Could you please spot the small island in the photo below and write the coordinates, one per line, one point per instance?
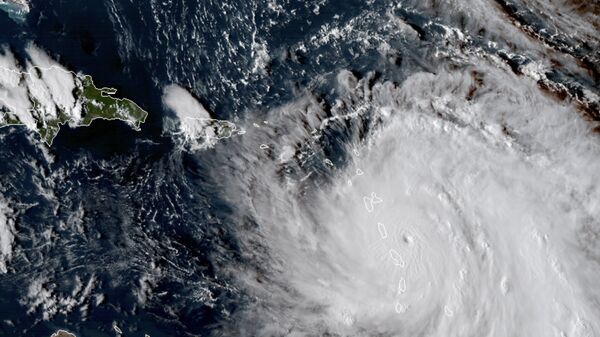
(62, 333)
(16, 9)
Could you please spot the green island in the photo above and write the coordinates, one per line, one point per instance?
(90, 103)
(98, 103)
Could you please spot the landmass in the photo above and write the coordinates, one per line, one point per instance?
(62, 333)
(16, 9)
(194, 126)
(46, 96)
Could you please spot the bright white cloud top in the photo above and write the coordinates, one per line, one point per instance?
(194, 125)
(7, 235)
(42, 95)
(471, 210)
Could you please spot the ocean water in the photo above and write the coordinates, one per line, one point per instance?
(403, 168)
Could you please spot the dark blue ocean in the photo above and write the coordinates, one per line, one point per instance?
(138, 200)
(117, 229)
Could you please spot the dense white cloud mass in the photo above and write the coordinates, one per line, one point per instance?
(43, 95)
(469, 204)
(458, 217)
(194, 126)
(180, 101)
(59, 83)
(13, 97)
(7, 235)
(47, 83)
(446, 186)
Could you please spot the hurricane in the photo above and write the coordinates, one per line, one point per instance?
(452, 217)
(324, 168)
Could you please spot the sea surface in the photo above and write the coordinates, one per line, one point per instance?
(406, 168)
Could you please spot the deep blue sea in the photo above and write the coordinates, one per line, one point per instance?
(140, 199)
(124, 230)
